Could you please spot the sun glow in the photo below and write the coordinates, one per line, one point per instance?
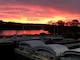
(20, 20)
(39, 21)
(24, 11)
(53, 19)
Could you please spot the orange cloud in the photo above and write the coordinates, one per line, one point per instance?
(34, 14)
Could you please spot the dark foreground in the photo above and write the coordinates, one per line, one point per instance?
(7, 52)
(20, 57)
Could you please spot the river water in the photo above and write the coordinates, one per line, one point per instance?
(11, 55)
(20, 32)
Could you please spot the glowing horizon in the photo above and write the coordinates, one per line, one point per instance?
(30, 11)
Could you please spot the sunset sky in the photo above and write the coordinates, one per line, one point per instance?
(39, 11)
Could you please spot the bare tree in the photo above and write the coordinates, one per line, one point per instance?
(68, 23)
(75, 23)
(60, 23)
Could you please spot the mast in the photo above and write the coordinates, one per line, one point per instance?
(54, 30)
(23, 30)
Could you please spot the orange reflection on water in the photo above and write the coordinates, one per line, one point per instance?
(32, 32)
(20, 32)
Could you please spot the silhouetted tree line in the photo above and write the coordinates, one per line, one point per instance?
(68, 29)
(19, 26)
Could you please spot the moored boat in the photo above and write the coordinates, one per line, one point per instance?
(38, 50)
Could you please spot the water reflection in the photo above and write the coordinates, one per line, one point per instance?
(20, 32)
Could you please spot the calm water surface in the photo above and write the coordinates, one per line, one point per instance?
(20, 32)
